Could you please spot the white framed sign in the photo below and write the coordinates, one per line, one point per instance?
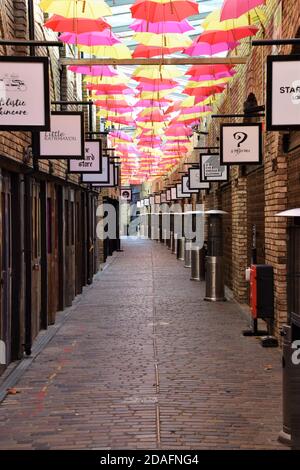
(65, 140)
(157, 199)
(283, 93)
(152, 200)
(163, 198)
(102, 177)
(92, 160)
(211, 169)
(241, 144)
(180, 194)
(112, 178)
(173, 194)
(168, 195)
(146, 202)
(194, 180)
(186, 187)
(24, 94)
(126, 195)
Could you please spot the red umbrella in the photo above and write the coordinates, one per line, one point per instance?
(75, 25)
(236, 8)
(151, 51)
(204, 90)
(173, 10)
(228, 36)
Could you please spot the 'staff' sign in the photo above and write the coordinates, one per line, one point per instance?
(92, 160)
(283, 93)
(66, 137)
(211, 169)
(24, 94)
(241, 144)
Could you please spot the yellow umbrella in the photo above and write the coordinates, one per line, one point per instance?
(118, 51)
(155, 72)
(208, 83)
(152, 125)
(163, 40)
(76, 8)
(213, 23)
(187, 117)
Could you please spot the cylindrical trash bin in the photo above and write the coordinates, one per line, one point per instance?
(287, 370)
(180, 248)
(195, 263)
(174, 247)
(187, 253)
(214, 279)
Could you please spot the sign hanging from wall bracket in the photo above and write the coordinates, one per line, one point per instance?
(194, 180)
(186, 186)
(241, 144)
(211, 169)
(101, 177)
(126, 194)
(283, 93)
(24, 94)
(92, 162)
(65, 140)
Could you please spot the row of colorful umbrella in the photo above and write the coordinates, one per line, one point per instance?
(163, 122)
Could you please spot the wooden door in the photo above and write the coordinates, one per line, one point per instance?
(69, 245)
(78, 243)
(36, 260)
(52, 252)
(6, 271)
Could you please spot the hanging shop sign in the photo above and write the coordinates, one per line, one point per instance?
(163, 198)
(112, 179)
(211, 169)
(168, 195)
(185, 186)
(101, 177)
(152, 200)
(92, 160)
(24, 94)
(241, 144)
(283, 93)
(157, 199)
(146, 202)
(65, 140)
(180, 194)
(126, 194)
(174, 193)
(194, 180)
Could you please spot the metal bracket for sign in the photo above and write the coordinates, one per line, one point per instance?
(207, 147)
(73, 103)
(276, 42)
(248, 115)
(30, 43)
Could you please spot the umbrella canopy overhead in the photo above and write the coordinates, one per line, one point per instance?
(236, 8)
(76, 25)
(92, 9)
(164, 10)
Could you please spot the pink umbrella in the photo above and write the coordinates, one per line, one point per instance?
(178, 129)
(155, 86)
(94, 38)
(199, 48)
(163, 27)
(151, 103)
(236, 8)
(94, 70)
(121, 135)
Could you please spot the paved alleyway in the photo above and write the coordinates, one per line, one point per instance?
(144, 362)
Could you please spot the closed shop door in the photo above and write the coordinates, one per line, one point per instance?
(6, 271)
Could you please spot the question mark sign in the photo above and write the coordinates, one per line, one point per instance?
(241, 137)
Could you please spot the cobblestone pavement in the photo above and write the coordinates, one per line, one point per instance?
(144, 363)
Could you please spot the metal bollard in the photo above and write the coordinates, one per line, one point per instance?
(180, 248)
(195, 264)
(174, 247)
(170, 242)
(187, 253)
(214, 279)
(287, 370)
